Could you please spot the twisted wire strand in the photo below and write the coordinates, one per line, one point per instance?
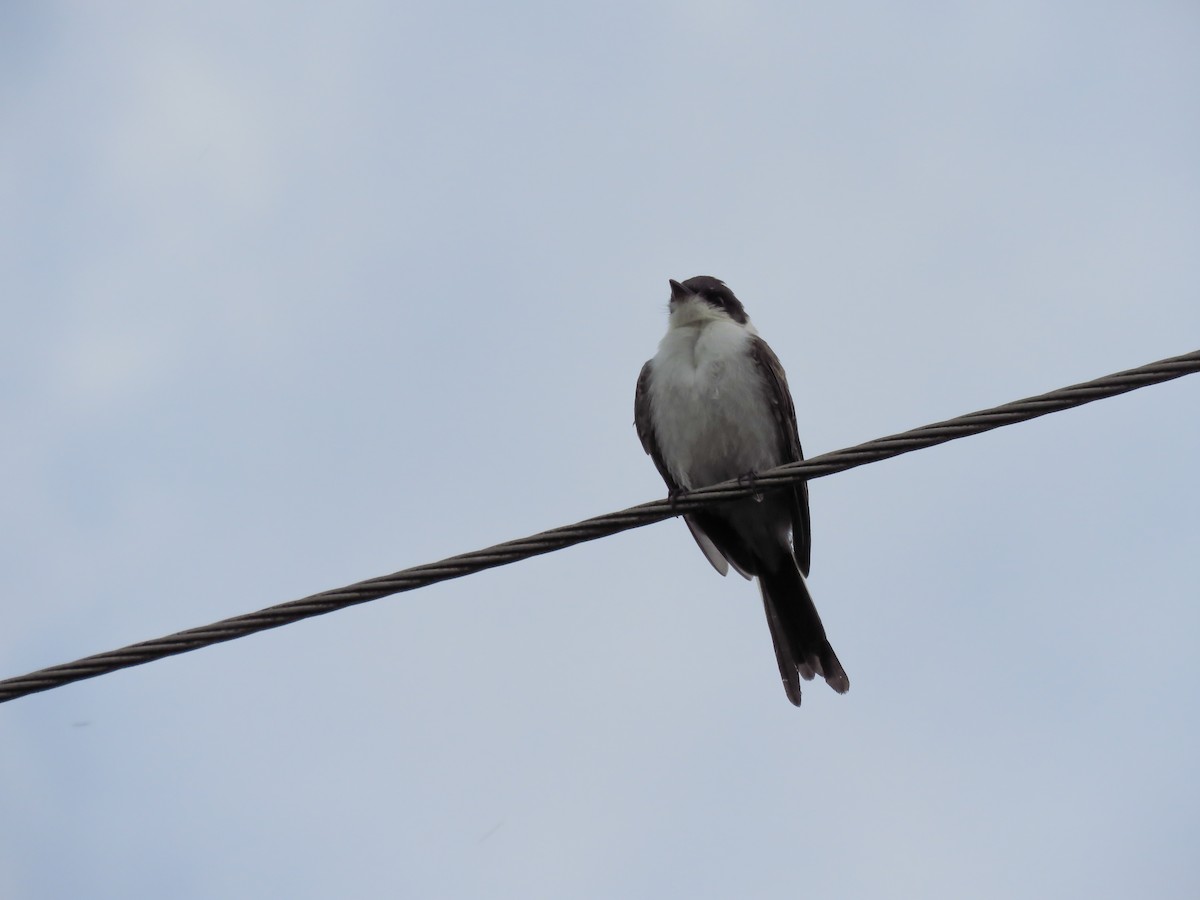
(597, 527)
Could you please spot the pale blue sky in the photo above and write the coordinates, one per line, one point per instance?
(299, 294)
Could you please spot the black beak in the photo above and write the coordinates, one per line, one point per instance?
(678, 291)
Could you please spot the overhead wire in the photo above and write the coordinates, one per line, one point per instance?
(597, 527)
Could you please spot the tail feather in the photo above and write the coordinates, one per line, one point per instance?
(801, 648)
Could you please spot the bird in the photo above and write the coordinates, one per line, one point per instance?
(712, 405)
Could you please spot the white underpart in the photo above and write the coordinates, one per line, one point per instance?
(708, 404)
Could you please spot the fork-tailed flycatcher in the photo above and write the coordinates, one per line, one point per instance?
(713, 404)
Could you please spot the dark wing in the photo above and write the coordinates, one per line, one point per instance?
(645, 431)
(789, 443)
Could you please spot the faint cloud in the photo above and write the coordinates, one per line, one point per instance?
(100, 368)
(184, 126)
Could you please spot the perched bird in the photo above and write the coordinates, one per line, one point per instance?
(713, 404)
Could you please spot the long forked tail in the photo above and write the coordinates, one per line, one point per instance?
(801, 648)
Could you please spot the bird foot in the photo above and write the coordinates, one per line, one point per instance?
(749, 480)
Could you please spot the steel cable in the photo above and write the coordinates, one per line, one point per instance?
(598, 527)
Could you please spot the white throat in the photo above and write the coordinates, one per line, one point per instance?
(697, 313)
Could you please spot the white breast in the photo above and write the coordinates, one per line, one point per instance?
(708, 405)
